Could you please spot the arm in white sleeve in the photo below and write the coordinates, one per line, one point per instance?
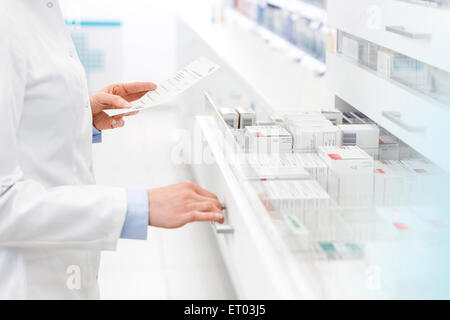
(31, 215)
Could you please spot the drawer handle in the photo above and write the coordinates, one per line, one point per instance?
(401, 31)
(396, 117)
(222, 228)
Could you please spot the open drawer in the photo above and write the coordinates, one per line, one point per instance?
(264, 258)
(344, 253)
(251, 260)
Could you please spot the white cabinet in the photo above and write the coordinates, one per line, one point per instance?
(414, 118)
(265, 256)
(414, 30)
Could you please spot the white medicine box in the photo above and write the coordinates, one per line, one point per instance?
(392, 184)
(230, 116)
(361, 135)
(309, 135)
(247, 117)
(273, 166)
(267, 139)
(365, 136)
(350, 175)
(316, 167)
(389, 147)
(336, 117)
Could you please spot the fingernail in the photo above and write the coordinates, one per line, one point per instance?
(219, 216)
(113, 122)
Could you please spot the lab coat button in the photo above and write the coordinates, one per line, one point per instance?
(50, 4)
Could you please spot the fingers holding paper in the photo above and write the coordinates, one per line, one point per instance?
(116, 96)
(102, 101)
(169, 89)
(131, 91)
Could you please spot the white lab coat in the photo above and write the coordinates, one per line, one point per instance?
(53, 220)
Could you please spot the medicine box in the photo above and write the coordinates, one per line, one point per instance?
(315, 166)
(404, 69)
(392, 184)
(350, 47)
(302, 199)
(440, 84)
(277, 119)
(350, 175)
(429, 182)
(230, 116)
(247, 117)
(304, 116)
(308, 138)
(336, 117)
(277, 166)
(389, 147)
(361, 135)
(267, 139)
(384, 63)
(365, 136)
(302, 123)
(411, 72)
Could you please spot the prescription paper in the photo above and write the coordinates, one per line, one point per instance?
(169, 89)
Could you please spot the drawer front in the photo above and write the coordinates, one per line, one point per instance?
(416, 31)
(246, 261)
(415, 119)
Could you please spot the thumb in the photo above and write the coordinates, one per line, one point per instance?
(111, 101)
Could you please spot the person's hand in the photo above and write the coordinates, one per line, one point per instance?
(116, 96)
(176, 205)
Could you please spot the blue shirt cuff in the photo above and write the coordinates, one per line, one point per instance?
(96, 135)
(136, 221)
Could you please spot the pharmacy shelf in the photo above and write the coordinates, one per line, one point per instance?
(416, 31)
(283, 84)
(424, 122)
(442, 4)
(275, 41)
(302, 7)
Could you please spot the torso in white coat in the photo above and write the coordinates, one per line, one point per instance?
(53, 220)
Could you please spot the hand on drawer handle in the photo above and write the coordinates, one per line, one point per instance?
(223, 228)
(401, 31)
(396, 117)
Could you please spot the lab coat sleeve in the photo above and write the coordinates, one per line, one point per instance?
(31, 215)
